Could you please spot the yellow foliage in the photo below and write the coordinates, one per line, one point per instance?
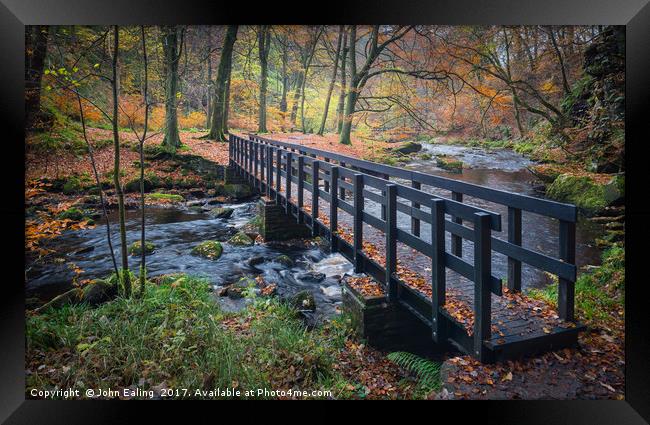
(195, 119)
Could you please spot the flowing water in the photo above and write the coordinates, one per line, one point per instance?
(175, 231)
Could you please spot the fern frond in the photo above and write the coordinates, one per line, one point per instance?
(427, 372)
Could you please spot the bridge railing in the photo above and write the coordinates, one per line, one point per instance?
(268, 163)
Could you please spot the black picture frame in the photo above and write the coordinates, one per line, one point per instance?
(634, 14)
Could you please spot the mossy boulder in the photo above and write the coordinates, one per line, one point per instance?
(409, 148)
(208, 249)
(222, 212)
(236, 191)
(239, 288)
(165, 197)
(304, 300)
(72, 185)
(98, 292)
(71, 214)
(586, 193)
(136, 248)
(241, 239)
(449, 163)
(150, 183)
(284, 260)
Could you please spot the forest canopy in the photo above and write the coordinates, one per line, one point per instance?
(382, 82)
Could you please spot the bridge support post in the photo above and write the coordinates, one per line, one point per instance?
(288, 184)
(566, 288)
(301, 189)
(278, 175)
(275, 225)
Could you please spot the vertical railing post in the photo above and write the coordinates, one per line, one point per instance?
(269, 170)
(315, 165)
(262, 157)
(301, 188)
(256, 153)
(383, 194)
(415, 222)
(230, 150)
(482, 275)
(514, 237)
(251, 178)
(457, 241)
(566, 288)
(278, 176)
(327, 183)
(438, 269)
(342, 189)
(334, 207)
(287, 189)
(391, 241)
(357, 189)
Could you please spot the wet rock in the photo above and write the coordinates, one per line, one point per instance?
(196, 203)
(256, 260)
(136, 248)
(197, 193)
(304, 300)
(409, 148)
(223, 235)
(196, 209)
(222, 212)
(211, 250)
(315, 277)
(241, 239)
(333, 291)
(284, 260)
(240, 288)
(449, 163)
(235, 191)
(215, 201)
(98, 292)
(85, 250)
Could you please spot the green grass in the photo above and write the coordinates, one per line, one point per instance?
(600, 293)
(175, 336)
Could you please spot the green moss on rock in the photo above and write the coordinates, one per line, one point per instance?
(237, 191)
(449, 163)
(171, 197)
(241, 239)
(72, 214)
(587, 194)
(208, 249)
(136, 248)
(222, 212)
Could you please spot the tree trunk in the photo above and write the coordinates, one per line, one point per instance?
(341, 106)
(126, 278)
(209, 99)
(350, 104)
(285, 76)
(143, 258)
(35, 51)
(321, 130)
(226, 102)
(220, 90)
(296, 98)
(264, 41)
(171, 53)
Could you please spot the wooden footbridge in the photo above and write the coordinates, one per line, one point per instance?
(504, 324)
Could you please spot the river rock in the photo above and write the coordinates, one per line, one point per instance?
(241, 239)
(222, 212)
(196, 203)
(98, 292)
(284, 260)
(591, 196)
(304, 300)
(238, 289)
(409, 148)
(256, 260)
(311, 277)
(136, 248)
(333, 291)
(208, 249)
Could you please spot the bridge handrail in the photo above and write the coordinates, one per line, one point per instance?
(553, 209)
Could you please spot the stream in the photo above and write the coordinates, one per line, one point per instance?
(176, 230)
